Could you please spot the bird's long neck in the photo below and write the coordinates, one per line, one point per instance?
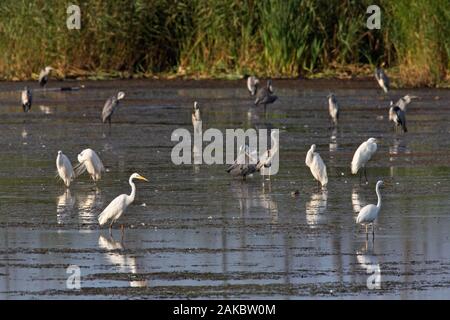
(133, 191)
(379, 196)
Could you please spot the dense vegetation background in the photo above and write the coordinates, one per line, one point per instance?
(226, 38)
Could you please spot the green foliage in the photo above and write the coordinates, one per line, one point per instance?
(225, 37)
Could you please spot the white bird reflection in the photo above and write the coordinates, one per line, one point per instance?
(251, 196)
(333, 141)
(315, 209)
(358, 201)
(368, 260)
(89, 205)
(64, 206)
(123, 263)
(45, 109)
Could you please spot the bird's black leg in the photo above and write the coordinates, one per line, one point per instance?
(365, 175)
(318, 186)
(360, 176)
(373, 232)
(367, 234)
(122, 232)
(110, 229)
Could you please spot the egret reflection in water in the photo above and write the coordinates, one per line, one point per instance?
(64, 207)
(316, 208)
(369, 261)
(120, 262)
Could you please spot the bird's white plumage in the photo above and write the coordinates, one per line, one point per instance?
(65, 169)
(363, 154)
(252, 83)
(119, 205)
(266, 157)
(370, 212)
(89, 161)
(317, 166)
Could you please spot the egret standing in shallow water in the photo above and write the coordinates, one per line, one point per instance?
(265, 159)
(43, 76)
(110, 106)
(402, 103)
(27, 99)
(333, 108)
(369, 213)
(382, 79)
(90, 161)
(65, 169)
(317, 166)
(265, 95)
(362, 155)
(252, 84)
(119, 205)
(398, 116)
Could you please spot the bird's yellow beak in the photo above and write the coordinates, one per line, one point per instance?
(141, 178)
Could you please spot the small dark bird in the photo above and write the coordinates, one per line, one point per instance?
(382, 79)
(43, 76)
(398, 116)
(265, 95)
(27, 99)
(110, 106)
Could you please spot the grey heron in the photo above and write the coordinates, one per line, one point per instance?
(382, 79)
(403, 102)
(362, 155)
(65, 169)
(110, 106)
(244, 164)
(119, 205)
(43, 76)
(265, 95)
(398, 116)
(333, 108)
(27, 99)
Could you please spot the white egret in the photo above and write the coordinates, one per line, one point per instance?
(362, 155)
(333, 108)
(265, 96)
(402, 103)
(27, 99)
(65, 169)
(110, 106)
(119, 205)
(252, 84)
(317, 166)
(369, 213)
(382, 79)
(43, 76)
(398, 116)
(90, 161)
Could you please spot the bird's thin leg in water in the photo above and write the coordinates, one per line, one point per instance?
(365, 174)
(110, 229)
(360, 176)
(367, 234)
(318, 186)
(122, 231)
(373, 232)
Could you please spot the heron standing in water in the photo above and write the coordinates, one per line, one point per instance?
(119, 205)
(382, 79)
(244, 165)
(402, 103)
(362, 155)
(265, 95)
(110, 106)
(369, 213)
(333, 108)
(398, 116)
(317, 166)
(65, 169)
(252, 85)
(27, 99)
(89, 161)
(43, 76)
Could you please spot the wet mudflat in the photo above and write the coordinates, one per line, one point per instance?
(195, 232)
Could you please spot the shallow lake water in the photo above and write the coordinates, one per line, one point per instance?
(194, 231)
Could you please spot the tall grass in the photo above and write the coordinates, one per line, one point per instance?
(217, 38)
